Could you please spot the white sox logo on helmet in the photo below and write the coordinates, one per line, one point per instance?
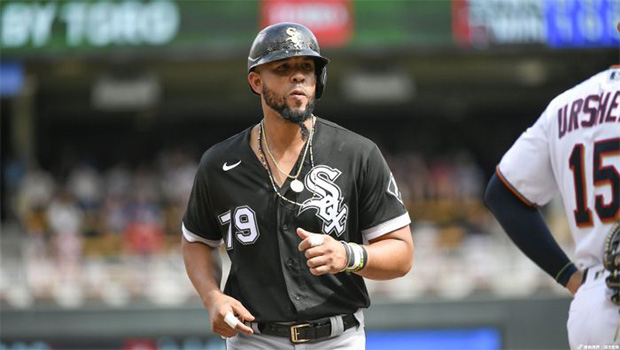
(294, 38)
(327, 199)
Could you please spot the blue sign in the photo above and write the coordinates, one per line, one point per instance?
(582, 23)
(11, 79)
(485, 338)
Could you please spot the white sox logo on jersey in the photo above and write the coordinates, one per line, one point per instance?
(327, 199)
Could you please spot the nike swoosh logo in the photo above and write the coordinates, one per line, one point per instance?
(227, 167)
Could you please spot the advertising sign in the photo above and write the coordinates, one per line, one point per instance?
(556, 23)
(330, 20)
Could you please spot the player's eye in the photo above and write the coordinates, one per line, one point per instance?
(307, 67)
(282, 68)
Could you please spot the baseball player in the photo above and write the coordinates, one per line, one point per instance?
(573, 148)
(304, 207)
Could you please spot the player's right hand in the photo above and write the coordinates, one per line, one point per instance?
(220, 305)
(325, 255)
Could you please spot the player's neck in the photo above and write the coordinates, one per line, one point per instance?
(282, 134)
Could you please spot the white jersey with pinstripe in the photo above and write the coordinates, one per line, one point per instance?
(574, 149)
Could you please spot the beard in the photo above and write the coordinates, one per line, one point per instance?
(278, 104)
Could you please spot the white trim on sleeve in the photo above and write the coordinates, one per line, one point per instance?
(387, 227)
(192, 237)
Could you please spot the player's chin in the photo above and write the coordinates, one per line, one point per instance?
(297, 102)
(298, 111)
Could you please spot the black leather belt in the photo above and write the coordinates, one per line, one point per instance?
(306, 331)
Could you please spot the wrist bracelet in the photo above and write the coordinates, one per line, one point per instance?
(364, 257)
(360, 257)
(349, 254)
(357, 257)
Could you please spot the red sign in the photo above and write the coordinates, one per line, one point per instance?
(460, 22)
(331, 21)
(139, 344)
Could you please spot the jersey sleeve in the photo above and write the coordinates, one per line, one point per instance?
(199, 224)
(526, 168)
(381, 208)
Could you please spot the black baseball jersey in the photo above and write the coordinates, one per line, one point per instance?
(349, 194)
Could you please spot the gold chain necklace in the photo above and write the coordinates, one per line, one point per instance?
(296, 185)
(262, 125)
(263, 160)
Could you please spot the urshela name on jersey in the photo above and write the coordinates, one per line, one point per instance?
(588, 112)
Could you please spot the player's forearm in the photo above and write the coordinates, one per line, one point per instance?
(528, 230)
(390, 256)
(203, 268)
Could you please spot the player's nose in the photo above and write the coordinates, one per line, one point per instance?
(298, 76)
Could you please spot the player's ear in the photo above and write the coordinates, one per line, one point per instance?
(256, 82)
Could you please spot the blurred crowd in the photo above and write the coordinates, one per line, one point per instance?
(113, 234)
(75, 227)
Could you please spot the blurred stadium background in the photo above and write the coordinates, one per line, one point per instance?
(106, 107)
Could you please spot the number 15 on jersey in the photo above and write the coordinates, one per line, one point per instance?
(607, 209)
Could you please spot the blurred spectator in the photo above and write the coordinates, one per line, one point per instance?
(177, 170)
(35, 191)
(144, 238)
(118, 181)
(114, 220)
(144, 234)
(84, 183)
(442, 185)
(468, 177)
(114, 215)
(13, 172)
(66, 219)
(416, 175)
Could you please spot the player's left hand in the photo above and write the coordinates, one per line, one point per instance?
(324, 254)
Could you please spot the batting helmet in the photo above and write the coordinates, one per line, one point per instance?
(284, 40)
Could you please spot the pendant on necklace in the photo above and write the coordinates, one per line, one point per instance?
(297, 186)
